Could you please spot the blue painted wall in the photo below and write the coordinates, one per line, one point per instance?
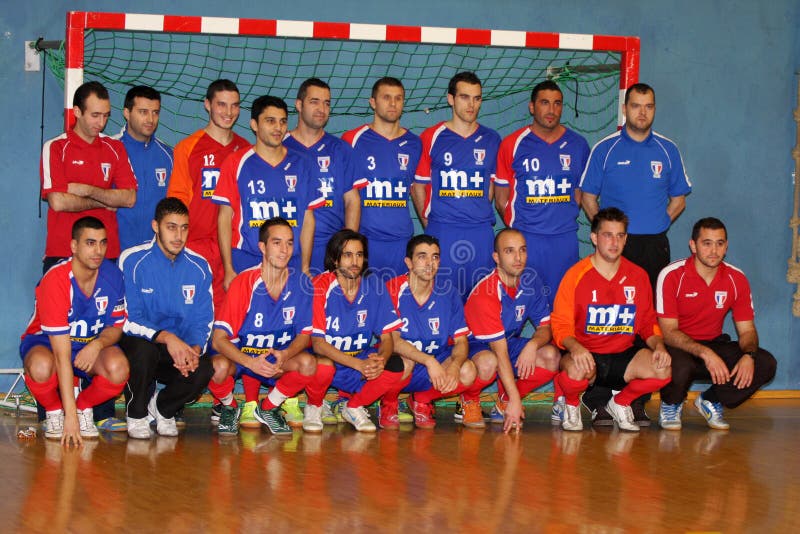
(724, 74)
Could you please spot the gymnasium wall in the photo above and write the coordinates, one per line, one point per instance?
(723, 71)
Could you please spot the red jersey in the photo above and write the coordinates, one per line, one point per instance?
(69, 159)
(700, 308)
(604, 315)
(198, 160)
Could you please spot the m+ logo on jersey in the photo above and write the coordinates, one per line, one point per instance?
(262, 210)
(656, 167)
(210, 177)
(613, 319)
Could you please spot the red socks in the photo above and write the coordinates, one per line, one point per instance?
(541, 376)
(391, 396)
(375, 389)
(46, 393)
(473, 392)
(251, 387)
(638, 387)
(571, 388)
(320, 382)
(100, 390)
(220, 391)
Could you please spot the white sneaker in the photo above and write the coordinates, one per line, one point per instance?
(54, 424)
(312, 418)
(164, 426)
(139, 428)
(86, 422)
(572, 418)
(358, 417)
(712, 412)
(557, 413)
(669, 416)
(623, 416)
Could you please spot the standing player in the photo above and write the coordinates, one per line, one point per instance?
(349, 309)
(693, 296)
(496, 311)
(432, 340)
(602, 304)
(170, 312)
(330, 163)
(198, 160)
(453, 187)
(151, 160)
(538, 170)
(76, 323)
(385, 156)
(263, 330)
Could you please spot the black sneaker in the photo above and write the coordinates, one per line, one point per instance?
(600, 417)
(640, 416)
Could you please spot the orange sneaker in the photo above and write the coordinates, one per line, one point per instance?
(473, 417)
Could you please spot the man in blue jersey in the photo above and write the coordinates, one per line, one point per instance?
(330, 162)
(170, 312)
(385, 156)
(640, 172)
(453, 188)
(151, 160)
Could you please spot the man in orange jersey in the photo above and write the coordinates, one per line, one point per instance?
(198, 160)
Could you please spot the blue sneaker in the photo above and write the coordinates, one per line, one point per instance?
(557, 414)
(498, 413)
(669, 416)
(112, 424)
(712, 411)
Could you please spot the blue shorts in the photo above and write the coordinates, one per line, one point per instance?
(387, 258)
(43, 340)
(551, 257)
(420, 379)
(515, 346)
(240, 370)
(348, 379)
(466, 252)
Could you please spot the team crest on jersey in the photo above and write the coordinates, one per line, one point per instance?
(288, 315)
(480, 155)
(519, 312)
(720, 297)
(361, 316)
(291, 182)
(188, 293)
(106, 168)
(565, 160)
(161, 177)
(324, 163)
(433, 323)
(101, 303)
(402, 159)
(656, 167)
(630, 294)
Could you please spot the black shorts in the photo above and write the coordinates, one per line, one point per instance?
(611, 367)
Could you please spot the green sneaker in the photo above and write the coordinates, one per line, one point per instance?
(229, 420)
(328, 417)
(404, 415)
(336, 408)
(274, 420)
(248, 418)
(292, 412)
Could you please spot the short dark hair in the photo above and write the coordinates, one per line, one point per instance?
(222, 84)
(609, 214)
(417, 240)
(89, 88)
(503, 232)
(386, 80)
(140, 91)
(263, 102)
(311, 82)
(466, 77)
(546, 85)
(263, 231)
(86, 222)
(641, 88)
(168, 206)
(335, 248)
(709, 223)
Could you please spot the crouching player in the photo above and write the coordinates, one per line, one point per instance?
(432, 340)
(350, 307)
(76, 323)
(263, 331)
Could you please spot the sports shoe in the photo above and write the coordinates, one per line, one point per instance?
(423, 413)
(404, 414)
(274, 420)
(139, 428)
(358, 417)
(312, 418)
(458, 414)
(572, 418)
(557, 413)
(712, 411)
(669, 416)
(111, 424)
(640, 416)
(623, 416)
(292, 412)
(247, 417)
(601, 417)
(164, 426)
(472, 417)
(336, 408)
(328, 417)
(229, 421)
(86, 422)
(388, 417)
(54, 424)
(498, 413)
(216, 410)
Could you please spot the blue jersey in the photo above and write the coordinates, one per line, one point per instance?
(458, 171)
(350, 325)
(152, 165)
(637, 177)
(541, 178)
(256, 322)
(432, 326)
(388, 168)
